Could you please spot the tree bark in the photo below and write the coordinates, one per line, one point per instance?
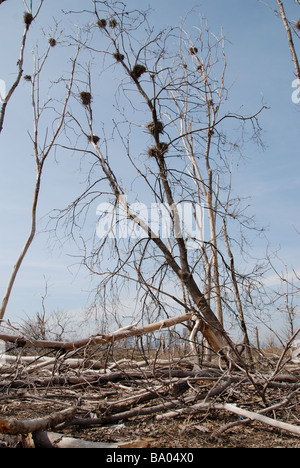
(14, 426)
(96, 340)
(290, 40)
(55, 440)
(212, 331)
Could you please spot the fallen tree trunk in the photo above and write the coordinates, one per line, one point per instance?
(55, 440)
(34, 363)
(251, 415)
(98, 379)
(260, 418)
(121, 334)
(14, 426)
(243, 420)
(146, 411)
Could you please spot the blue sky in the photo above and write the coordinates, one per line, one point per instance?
(260, 70)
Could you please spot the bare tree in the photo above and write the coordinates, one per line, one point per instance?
(171, 142)
(284, 296)
(179, 98)
(42, 145)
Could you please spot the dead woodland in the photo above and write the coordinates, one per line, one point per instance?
(185, 369)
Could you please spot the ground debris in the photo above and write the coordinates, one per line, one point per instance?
(156, 402)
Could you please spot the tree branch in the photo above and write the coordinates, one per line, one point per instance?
(290, 39)
(20, 71)
(97, 340)
(15, 426)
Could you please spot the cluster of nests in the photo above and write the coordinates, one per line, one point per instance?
(193, 51)
(102, 23)
(156, 128)
(86, 99)
(138, 70)
(28, 18)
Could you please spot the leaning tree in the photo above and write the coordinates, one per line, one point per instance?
(160, 141)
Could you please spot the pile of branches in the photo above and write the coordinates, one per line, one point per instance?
(88, 392)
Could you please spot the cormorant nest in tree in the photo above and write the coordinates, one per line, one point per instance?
(86, 98)
(113, 23)
(138, 71)
(102, 23)
(155, 127)
(28, 18)
(297, 25)
(119, 57)
(156, 152)
(27, 78)
(193, 51)
(93, 139)
(52, 42)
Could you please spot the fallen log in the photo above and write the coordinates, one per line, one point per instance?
(97, 378)
(175, 389)
(14, 426)
(260, 418)
(151, 410)
(251, 415)
(243, 420)
(33, 363)
(120, 334)
(55, 440)
(129, 363)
